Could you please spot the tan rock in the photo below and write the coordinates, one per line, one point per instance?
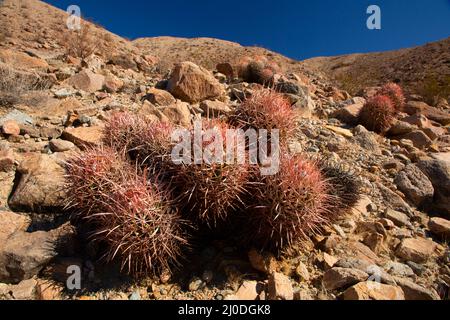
(413, 291)
(192, 83)
(341, 131)
(178, 113)
(440, 227)
(25, 290)
(248, 291)
(373, 291)
(112, 84)
(348, 114)
(6, 186)
(11, 128)
(87, 81)
(84, 136)
(302, 272)
(41, 184)
(48, 290)
(338, 278)
(418, 250)
(11, 222)
(329, 260)
(280, 287)
(214, 108)
(159, 97)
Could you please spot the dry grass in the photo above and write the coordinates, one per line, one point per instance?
(15, 85)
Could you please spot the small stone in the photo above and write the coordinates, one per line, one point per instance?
(6, 160)
(341, 131)
(135, 296)
(417, 250)
(329, 261)
(400, 219)
(159, 97)
(280, 287)
(58, 145)
(214, 108)
(414, 291)
(398, 269)
(25, 290)
(338, 278)
(84, 136)
(440, 227)
(195, 284)
(11, 128)
(248, 291)
(302, 272)
(373, 291)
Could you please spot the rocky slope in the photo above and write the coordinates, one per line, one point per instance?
(422, 70)
(391, 245)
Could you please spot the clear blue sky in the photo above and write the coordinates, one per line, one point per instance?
(296, 28)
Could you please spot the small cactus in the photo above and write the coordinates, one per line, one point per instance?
(287, 207)
(378, 114)
(257, 70)
(211, 191)
(265, 109)
(395, 93)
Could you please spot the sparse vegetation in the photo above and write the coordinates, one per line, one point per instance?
(80, 43)
(14, 85)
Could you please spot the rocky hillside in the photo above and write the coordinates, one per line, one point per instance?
(423, 70)
(55, 101)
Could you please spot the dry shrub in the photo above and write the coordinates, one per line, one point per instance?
(80, 43)
(15, 85)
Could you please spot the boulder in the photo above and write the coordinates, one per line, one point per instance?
(413, 107)
(399, 218)
(159, 97)
(438, 171)
(417, 250)
(112, 84)
(11, 222)
(214, 108)
(419, 139)
(87, 81)
(10, 128)
(249, 290)
(440, 227)
(337, 278)
(191, 83)
(84, 137)
(41, 184)
(373, 291)
(415, 185)
(413, 291)
(24, 255)
(58, 145)
(348, 114)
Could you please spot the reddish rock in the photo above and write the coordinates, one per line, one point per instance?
(87, 81)
(6, 160)
(370, 290)
(20, 60)
(226, 69)
(11, 128)
(440, 227)
(192, 83)
(417, 250)
(112, 84)
(413, 107)
(84, 136)
(11, 222)
(159, 97)
(249, 290)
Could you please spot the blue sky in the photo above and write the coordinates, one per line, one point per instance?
(296, 28)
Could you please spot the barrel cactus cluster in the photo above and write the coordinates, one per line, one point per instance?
(380, 111)
(146, 208)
